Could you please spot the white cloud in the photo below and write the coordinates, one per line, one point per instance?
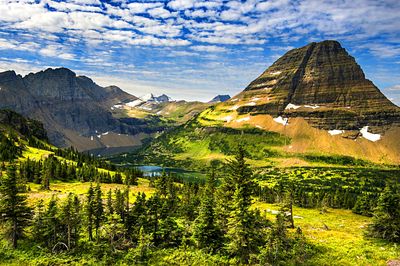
(56, 51)
(181, 4)
(160, 12)
(7, 44)
(136, 8)
(209, 48)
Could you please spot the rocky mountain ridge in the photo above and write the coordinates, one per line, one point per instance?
(71, 107)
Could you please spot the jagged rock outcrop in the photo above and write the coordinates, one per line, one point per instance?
(65, 103)
(322, 83)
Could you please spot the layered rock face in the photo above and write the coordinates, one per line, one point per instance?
(64, 102)
(322, 83)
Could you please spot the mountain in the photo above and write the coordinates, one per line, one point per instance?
(74, 110)
(220, 98)
(323, 84)
(313, 106)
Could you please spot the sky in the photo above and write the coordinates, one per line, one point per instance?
(194, 50)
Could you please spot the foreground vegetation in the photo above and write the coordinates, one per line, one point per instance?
(59, 207)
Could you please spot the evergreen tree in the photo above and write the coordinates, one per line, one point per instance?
(206, 231)
(154, 206)
(70, 219)
(119, 205)
(386, 223)
(39, 223)
(241, 231)
(98, 209)
(138, 215)
(90, 211)
(51, 223)
(110, 207)
(14, 210)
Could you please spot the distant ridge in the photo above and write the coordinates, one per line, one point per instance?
(220, 98)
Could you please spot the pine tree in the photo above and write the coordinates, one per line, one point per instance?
(13, 206)
(206, 231)
(39, 225)
(52, 223)
(90, 210)
(386, 222)
(98, 209)
(161, 184)
(119, 205)
(241, 231)
(110, 207)
(154, 206)
(70, 219)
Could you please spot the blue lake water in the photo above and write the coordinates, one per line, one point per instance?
(154, 170)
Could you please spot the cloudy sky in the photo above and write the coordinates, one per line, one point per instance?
(193, 49)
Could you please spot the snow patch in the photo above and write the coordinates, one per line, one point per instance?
(145, 108)
(256, 99)
(159, 112)
(118, 106)
(105, 133)
(250, 104)
(235, 107)
(275, 73)
(147, 97)
(99, 136)
(227, 118)
(292, 106)
(91, 137)
(335, 132)
(281, 120)
(234, 100)
(368, 135)
(258, 126)
(247, 118)
(134, 103)
(311, 106)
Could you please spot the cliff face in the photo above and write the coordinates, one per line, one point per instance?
(322, 83)
(64, 102)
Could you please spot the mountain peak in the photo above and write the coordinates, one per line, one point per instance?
(220, 98)
(321, 74)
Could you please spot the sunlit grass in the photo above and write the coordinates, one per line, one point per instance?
(62, 189)
(340, 235)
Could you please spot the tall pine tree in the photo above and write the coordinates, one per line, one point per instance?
(14, 210)
(206, 231)
(241, 220)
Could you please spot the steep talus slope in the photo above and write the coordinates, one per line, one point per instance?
(74, 109)
(323, 84)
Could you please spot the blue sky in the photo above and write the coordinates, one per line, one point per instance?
(190, 49)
